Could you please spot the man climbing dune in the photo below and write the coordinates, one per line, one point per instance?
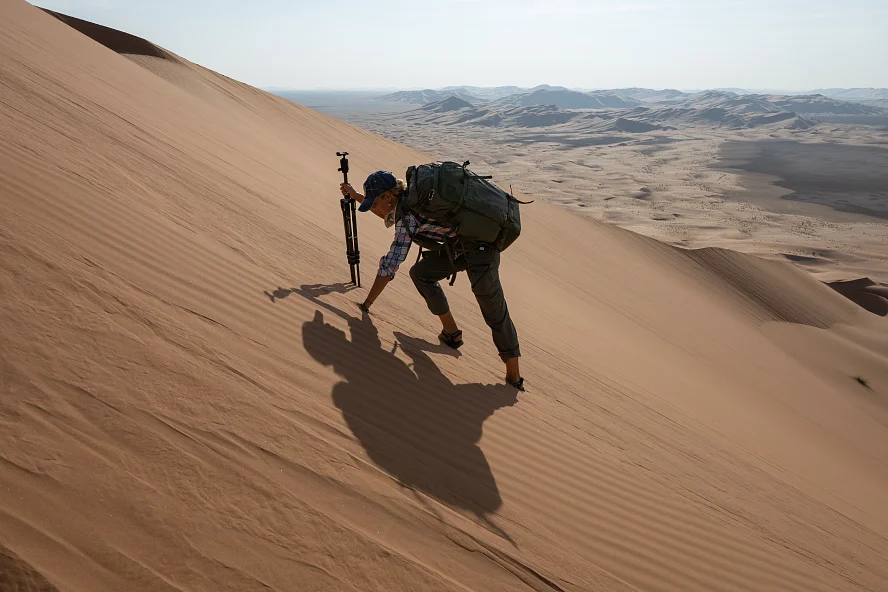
(383, 194)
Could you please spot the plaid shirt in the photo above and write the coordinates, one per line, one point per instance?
(420, 227)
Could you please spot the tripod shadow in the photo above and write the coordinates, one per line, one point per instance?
(311, 292)
(413, 423)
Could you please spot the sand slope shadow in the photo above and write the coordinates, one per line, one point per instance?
(865, 293)
(415, 424)
(17, 575)
(115, 40)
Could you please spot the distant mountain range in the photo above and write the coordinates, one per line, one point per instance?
(853, 94)
(455, 111)
(424, 97)
(498, 92)
(615, 111)
(855, 101)
(801, 104)
(648, 95)
(567, 99)
(874, 97)
(845, 94)
(472, 94)
(513, 96)
(713, 116)
(453, 103)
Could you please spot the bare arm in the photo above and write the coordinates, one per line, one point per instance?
(379, 285)
(390, 262)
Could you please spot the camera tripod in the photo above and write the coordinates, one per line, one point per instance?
(350, 222)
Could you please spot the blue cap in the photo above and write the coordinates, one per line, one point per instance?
(375, 185)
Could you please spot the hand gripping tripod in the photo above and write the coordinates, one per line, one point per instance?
(350, 221)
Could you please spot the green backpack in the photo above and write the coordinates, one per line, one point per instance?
(474, 207)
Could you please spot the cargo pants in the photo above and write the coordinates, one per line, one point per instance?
(480, 261)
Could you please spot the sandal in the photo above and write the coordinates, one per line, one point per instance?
(518, 384)
(453, 340)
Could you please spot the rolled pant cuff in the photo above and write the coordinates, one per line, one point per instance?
(515, 353)
(439, 310)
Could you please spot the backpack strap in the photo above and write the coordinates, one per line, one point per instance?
(450, 258)
(402, 212)
(462, 197)
(466, 163)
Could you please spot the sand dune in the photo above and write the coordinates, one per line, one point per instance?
(122, 43)
(864, 292)
(191, 400)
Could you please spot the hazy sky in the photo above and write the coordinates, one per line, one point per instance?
(686, 44)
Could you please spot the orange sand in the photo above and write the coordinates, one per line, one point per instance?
(189, 399)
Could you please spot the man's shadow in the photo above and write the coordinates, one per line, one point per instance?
(414, 424)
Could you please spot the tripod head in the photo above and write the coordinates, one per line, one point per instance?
(343, 164)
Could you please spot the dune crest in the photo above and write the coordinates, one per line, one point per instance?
(118, 41)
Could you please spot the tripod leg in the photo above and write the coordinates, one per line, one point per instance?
(349, 249)
(357, 251)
